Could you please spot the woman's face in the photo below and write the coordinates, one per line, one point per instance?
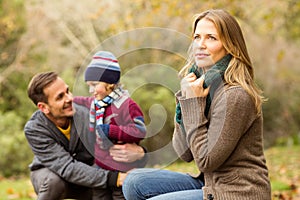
(98, 89)
(207, 47)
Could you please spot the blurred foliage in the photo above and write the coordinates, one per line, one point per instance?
(14, 149)
(12, 25)
(292, 20)
(61, 35)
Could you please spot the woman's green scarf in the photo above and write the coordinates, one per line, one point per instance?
(213, 77)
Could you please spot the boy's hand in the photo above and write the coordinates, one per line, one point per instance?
(102, 140)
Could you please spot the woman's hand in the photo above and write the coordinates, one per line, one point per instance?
(191, 86)
(127, 153)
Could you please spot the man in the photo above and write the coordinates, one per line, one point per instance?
(63, 147)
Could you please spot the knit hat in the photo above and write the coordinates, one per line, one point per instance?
(104, 67)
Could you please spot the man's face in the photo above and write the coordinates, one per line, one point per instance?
(59, 106)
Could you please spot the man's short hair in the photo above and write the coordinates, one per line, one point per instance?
(38, 83)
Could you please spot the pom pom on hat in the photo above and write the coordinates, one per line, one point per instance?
(104, 67)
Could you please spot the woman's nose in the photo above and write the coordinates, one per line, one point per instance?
(200, 43)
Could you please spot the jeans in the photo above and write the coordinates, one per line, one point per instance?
(48, 185)
(143, 184)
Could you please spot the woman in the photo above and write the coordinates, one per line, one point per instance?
(218, 122)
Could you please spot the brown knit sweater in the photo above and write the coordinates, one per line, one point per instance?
(227, 146)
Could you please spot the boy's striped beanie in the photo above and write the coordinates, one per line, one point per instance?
(104, 67)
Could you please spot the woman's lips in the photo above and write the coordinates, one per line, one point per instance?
(201, 55)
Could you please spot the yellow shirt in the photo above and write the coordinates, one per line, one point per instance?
(67, 131)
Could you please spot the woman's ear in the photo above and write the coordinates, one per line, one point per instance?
(43, 107)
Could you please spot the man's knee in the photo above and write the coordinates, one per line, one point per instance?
(55, 183)
(48, 184)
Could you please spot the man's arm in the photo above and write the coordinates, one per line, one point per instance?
(44, 142)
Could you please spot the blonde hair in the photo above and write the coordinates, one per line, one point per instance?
(240, 70)
(110, 86)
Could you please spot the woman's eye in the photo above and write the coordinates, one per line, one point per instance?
(196, 37)
(212, 38)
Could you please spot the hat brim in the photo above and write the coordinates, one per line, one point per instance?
(103, 75)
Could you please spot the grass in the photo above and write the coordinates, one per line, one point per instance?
(284, 170)
(283, 164)
(16, 188)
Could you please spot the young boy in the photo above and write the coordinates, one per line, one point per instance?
(114, 116)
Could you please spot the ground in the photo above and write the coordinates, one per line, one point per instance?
(283, 164)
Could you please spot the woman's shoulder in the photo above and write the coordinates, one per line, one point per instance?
(236, 90)
(236, 94)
